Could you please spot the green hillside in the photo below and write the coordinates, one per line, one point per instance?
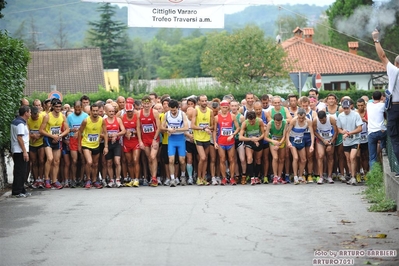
(46, 20)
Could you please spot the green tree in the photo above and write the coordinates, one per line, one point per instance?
(111, 37)
(341, 10)
(14, 59)
(170, 36)
(321, 31)
(2, 6)
(287, 23)
(60, 38)
(243, 56)
(184, 59)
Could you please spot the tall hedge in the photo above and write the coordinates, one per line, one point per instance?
(14, 59)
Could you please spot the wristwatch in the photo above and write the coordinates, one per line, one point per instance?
(376, 41)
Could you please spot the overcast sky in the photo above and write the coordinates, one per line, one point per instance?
(233, 9)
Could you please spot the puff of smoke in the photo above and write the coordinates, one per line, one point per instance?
(367, 18)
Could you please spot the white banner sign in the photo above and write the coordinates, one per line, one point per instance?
(176, 16)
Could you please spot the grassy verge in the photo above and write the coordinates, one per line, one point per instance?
(375, 192)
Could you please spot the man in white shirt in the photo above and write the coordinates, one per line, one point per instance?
(376, 129)
(393, 112)
(20, 151)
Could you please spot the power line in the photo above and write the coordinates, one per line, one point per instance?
(41, 8)
(328, 27)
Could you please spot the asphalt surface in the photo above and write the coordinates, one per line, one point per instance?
(214, 225)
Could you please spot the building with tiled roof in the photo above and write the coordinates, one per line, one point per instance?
(339, 69)
(65, 70)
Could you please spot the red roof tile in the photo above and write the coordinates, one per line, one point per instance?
(70, 70)
(316, 58)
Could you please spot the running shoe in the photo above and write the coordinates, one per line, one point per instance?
(47, 184)
(257, 181)
(342, 178)
(330, 180)
(352, 181)
(56, 185)
(88, 184)
(287, 179)
(73, 184)
(224, 181)
(218, 180)
(129, 184)
(159, 181)
(21, 195)
(66, 184)
(233, 181)
(214, 181)
(35, 184)
(177, 181)
(136, 182)
(154, 182)
(320, 181)
(111, 183)
(205, 182)
(41, 184)
(97, 185)
(358, 178)
(265, 180)
(275, 180)
(199, 181)
(118, 183)
(167, 182)
(310, 179)
(173, 183)
(252, 181)
(183, 180)
(296, 180)
(282, 181)
(145, 182)
(243, 180)
(190, 181)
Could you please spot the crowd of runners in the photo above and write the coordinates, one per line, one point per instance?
(161, 141)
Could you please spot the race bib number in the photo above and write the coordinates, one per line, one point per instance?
(76, 126)
(148, 128)
(227, 131)
(326, 134)
(174, 125)
(253, 133)
(110, 132)
(363, 137)
(203, 124)
(298, 140)
(55, 130)
(34, 131)
(276, 137)
(92, 137)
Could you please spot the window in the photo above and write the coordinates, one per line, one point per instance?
(339, 85)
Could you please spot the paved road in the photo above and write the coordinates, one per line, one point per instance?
(241, 225)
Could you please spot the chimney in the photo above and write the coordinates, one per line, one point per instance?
(298, 32)
(308, 34)
(353, 46)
